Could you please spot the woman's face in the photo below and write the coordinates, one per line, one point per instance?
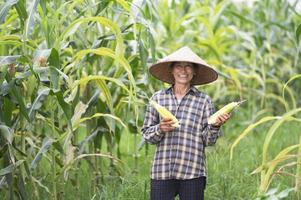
(183, 72)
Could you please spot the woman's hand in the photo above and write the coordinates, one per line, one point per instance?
(166, 125)
(222, 119)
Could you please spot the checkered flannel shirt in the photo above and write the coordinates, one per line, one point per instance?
(180, 154)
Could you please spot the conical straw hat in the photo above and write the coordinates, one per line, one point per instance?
(203, 72)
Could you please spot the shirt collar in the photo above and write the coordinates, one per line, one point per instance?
(192, 90)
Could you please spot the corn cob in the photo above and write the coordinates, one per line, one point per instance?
(165, 113)
(226, 109)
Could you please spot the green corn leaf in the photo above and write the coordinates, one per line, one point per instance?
(265, 174)
(41, 185)
(297, 76)
(152, 45)
(106, 91)
(100, 115)
(79, 110)
(21, 187)
(15, 91)
(45, 147)
(94, 98)
(100, 77)
(7, 133)
(64, 105)
(6, 60)
(42, 93)
(67, 167)
(248, 130)
(108, 52)
(54, 60)
(5, 9)
(142, 53)
(8, 108)
(9, 169)
(57, 145)
(11, 42)
(43, 6)
(298, 32)
(101, 20)
(273, 129)
(279, 99)
(21, 9)
(10, 37)
(30, 20)
(282, 156)
(89, 138)
(124, 4)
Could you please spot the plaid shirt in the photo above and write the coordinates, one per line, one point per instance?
(180, 154)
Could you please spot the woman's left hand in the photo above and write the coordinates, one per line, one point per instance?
(222, 119)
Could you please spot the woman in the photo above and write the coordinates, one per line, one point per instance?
(179, 165)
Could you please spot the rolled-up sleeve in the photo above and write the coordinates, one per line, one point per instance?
(151, 126)
(210, 133)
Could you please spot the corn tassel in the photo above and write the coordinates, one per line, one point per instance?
(165, 113)
(226, 109)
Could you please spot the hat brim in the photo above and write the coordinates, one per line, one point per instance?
(203, 74)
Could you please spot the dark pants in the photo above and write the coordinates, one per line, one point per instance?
(191, 189)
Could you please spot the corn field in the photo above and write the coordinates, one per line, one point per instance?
(74, 84)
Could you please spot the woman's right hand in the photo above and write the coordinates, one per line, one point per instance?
(166, 125)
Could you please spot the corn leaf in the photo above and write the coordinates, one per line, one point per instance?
(88, 139)
(5, 60)
(279, 99)
(273, 129)
(79, 110)
(41, 185)
(54, 60)
(42, 93)
(248, 130)
(100, 77)
(298, 32)
(265, 174)
(102, 20)
(9, 169)
(21, 187)
(20, 7)
(30, 20)
(64, 105)
(45, 147)
(5, 9)
(100, 115)
(282, 156)
(124, 4)
(7, 133)
(67, 167)
(106, 91)
(297, 76)
(108, 52)
(15, 91)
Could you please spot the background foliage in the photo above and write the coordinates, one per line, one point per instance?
(74, 82)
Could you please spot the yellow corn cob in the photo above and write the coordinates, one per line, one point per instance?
(226, 109)
(165, 113)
